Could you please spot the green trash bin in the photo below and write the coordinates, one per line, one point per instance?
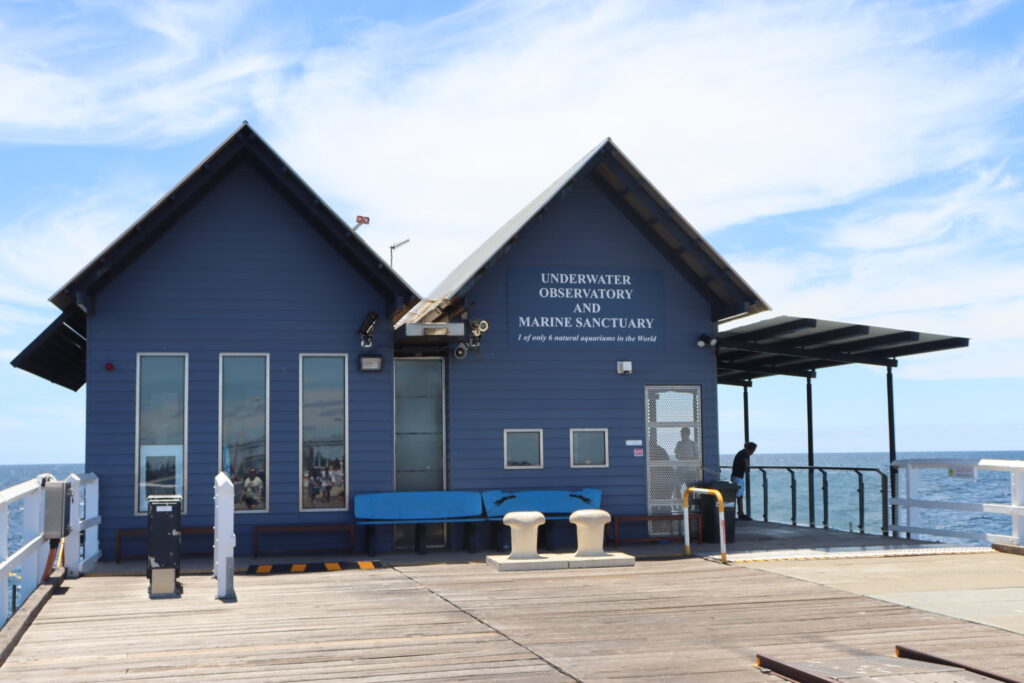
(709, 511)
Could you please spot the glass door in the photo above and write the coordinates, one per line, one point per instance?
(419, 436)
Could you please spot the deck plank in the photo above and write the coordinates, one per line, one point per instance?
(669, 620)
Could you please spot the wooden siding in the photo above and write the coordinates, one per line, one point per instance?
(556, 389)
(241, 271)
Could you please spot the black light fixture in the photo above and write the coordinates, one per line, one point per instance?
(366, 330)
(706, 341)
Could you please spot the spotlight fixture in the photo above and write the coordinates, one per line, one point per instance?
(460, 351)
(360, 222)
(366, 330)
(705, 341)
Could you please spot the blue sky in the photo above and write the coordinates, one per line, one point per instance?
(855, 161)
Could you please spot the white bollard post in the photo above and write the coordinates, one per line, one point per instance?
(590, 526)
(224, 537)
(524, 527)
(73, 543)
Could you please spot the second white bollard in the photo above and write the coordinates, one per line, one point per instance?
(590, 526)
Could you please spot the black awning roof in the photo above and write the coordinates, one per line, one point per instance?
(786, 345)
(58, 354)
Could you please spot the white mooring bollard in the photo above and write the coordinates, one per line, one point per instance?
(224, 537)
(590, 526)
(524, 526)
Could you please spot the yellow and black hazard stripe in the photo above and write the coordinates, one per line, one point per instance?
(311, 567)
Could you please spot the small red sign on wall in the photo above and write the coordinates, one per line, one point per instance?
(638, 452)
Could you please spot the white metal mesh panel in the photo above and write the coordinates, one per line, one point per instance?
(674, 451)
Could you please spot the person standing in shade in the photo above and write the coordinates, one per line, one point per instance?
(740, 467)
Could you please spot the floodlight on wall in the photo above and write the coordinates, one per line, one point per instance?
(371, 363)
(366, 330)
(706, 341)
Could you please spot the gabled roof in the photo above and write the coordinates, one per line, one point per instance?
(243, 144)
(730, 296)
(58, 354)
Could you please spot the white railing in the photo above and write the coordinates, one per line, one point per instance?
(85, 516)
(224, 537)
(909, 517)
(31, 556)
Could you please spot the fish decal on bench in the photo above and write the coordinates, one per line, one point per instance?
(583, 498)
(507, 498)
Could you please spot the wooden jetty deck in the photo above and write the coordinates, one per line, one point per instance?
(683, 619)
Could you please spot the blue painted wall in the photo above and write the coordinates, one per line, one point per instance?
(563, 387)
(241, 271)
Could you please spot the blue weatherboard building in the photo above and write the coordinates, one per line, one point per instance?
(240, 325)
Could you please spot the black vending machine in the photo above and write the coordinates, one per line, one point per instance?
(164, 562)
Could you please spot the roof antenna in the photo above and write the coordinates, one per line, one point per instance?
(394, 246)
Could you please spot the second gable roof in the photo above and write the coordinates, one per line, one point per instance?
(730, 296)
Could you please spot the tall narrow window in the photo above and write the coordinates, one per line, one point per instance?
(323, 425)
(244, 382)
(161, 434)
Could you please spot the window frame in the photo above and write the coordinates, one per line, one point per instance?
(266, 430)
(572, 448)
(504, 436)
(138, 449)
(303, 510)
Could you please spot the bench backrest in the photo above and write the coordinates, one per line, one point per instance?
(497, 503)
(418, 505)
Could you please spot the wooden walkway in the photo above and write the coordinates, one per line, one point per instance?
(672, 620)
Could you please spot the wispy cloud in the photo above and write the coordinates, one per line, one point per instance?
(733, 111)
(121, 71)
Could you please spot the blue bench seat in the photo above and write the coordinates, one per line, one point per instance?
(418, 508)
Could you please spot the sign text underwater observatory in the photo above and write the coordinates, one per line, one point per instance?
(585, 306)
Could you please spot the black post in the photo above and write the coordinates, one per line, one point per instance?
(893, 484)
(746, 416)
(810, 455)
(746, 440)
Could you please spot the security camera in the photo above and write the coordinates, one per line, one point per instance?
(460, 351)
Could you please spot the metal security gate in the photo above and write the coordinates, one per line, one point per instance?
(675, 452)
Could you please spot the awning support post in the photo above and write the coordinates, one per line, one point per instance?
(810, 455)
(746, 417)
(893, 484)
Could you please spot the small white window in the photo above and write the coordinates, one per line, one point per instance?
(524, 449)
(589, 447)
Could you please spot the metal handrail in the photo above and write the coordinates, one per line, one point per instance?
(792, 470)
